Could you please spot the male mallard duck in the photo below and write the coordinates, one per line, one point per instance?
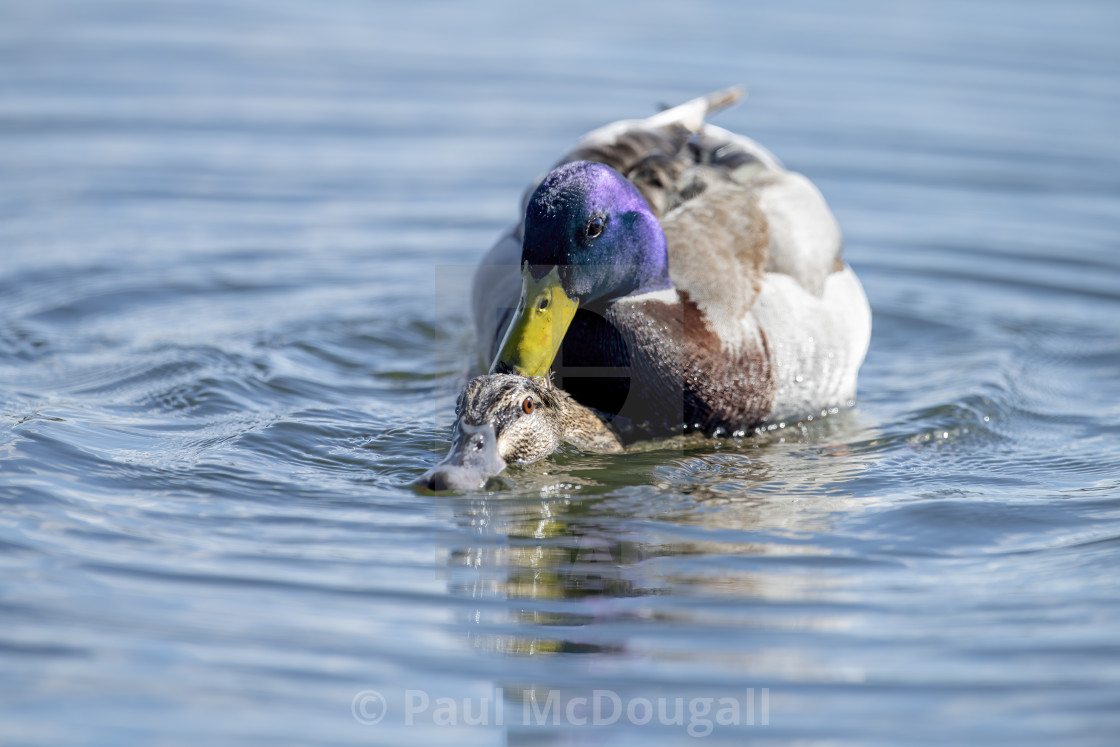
(675, 276)
(502, 419)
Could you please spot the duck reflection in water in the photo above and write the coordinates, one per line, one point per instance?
(544, 572)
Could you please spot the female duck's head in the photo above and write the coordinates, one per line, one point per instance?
(590, 237)
(504, 419)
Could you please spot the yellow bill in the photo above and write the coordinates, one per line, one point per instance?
(538, 328)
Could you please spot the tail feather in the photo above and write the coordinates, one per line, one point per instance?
(691, 114)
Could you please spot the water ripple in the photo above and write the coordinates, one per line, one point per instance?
(237, 242)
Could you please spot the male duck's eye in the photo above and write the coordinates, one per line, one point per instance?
(527, 405)
(594, 227)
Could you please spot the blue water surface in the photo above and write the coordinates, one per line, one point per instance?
(234, 243)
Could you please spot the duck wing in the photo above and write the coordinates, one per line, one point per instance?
(654, 152)
(758, 253)
(734, 222)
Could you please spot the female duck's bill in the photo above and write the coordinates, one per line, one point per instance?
(471, 462)
(503, 419)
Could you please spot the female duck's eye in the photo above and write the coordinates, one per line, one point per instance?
(527, 405)
(594, 226)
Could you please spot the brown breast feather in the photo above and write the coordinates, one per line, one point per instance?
(684, 360)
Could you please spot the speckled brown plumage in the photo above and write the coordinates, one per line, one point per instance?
(523, 437)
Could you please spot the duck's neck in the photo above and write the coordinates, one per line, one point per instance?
(580, 427)
(652, 274)
(647, 258)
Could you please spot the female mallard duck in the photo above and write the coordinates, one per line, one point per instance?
(504, 418)
(675, 276)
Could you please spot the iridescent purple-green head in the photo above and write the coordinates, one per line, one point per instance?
(590, 237)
